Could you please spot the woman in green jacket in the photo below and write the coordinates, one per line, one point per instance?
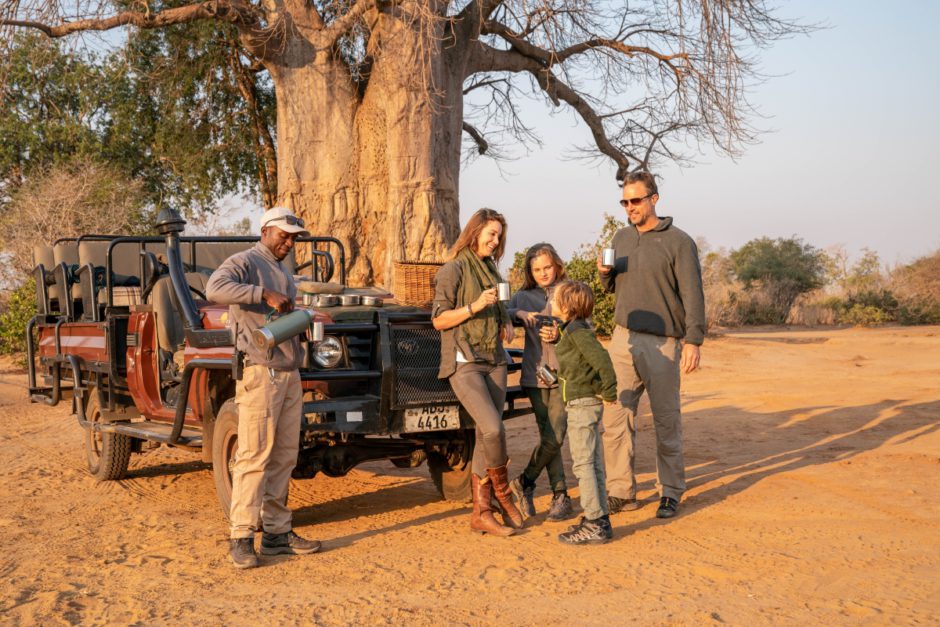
(473, 325)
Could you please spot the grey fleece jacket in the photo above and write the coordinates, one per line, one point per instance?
(658, 281)
(238, 282)
(536, 352)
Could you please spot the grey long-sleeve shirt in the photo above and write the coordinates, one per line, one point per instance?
(239, 282)
(658, 281)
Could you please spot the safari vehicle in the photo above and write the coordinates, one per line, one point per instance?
(125, 332)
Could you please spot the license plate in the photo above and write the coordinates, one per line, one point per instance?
(438, 418)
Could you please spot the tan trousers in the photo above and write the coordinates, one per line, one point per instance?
(269, 411)
(644, 362)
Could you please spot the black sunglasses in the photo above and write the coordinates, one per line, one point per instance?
(625, 202)
(292, 220)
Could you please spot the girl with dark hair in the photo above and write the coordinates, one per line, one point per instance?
(532, 307)
(474, 325)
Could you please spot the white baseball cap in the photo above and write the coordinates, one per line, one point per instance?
(284, 219)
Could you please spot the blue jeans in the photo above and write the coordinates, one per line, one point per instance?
(587, 454)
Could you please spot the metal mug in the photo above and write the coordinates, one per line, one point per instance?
(316, 331)
(502, 289)
(546, 375)
(307, 299)
(609, 258)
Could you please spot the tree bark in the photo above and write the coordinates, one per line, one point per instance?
(376, 168)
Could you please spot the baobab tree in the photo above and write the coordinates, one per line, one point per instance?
(377, 98)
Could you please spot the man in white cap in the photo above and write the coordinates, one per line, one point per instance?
(254, 283)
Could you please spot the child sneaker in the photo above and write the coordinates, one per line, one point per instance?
(596, 531)
(560, 509)
(523, 493)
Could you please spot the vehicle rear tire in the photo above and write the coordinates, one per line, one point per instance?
(107, 454)
(451, 474)
(224, 447)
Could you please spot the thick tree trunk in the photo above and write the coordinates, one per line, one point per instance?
(377, 171)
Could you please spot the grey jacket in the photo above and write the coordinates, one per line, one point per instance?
(446, 289)
(658, 282)
(536, 352)
(238, 282)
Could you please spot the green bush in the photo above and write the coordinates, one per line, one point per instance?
(582, 268)
(782, 269)
(18, 309)
(865, 316)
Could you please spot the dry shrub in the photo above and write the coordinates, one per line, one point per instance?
(814, 308)
(66, 201)
(917, 289)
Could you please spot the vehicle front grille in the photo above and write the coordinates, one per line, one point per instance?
(416, 353)
(359, 347)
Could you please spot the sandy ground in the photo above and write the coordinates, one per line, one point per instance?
(813, 461)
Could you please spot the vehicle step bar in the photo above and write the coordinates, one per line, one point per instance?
(153, 431)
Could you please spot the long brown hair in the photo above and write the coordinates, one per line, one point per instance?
(542, 248)
(471, 233)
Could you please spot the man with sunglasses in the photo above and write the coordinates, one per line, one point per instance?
(660, 325)
(255, 283)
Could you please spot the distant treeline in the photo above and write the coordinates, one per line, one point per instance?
(786, 281)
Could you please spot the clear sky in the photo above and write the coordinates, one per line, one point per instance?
(851, 158)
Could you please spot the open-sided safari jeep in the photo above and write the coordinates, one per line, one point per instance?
(124, 330)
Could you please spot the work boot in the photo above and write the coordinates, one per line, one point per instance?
(482, 519)
(288, 543)
(561, 508)
(512, 517)
(523, 494)
(615, 504)
(242, 552)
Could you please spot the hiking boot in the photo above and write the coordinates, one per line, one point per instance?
(615, 505)
(596, 531)
(668, 507)
(560, 509)
(242, 552)
(523, 494)
(575, 526)
(287, 543)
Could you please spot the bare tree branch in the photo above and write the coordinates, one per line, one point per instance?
(490, 59)
(233, 11)
(342, 25)
(482, 146)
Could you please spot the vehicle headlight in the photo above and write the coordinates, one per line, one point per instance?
(329, 352)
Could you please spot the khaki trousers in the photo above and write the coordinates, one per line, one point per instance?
(269, 411)
(644, 362)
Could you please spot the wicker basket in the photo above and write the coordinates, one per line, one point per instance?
(414, 282)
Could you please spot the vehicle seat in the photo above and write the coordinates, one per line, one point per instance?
(171, 335)
(125, 273)
(47, 296)
(65, 256)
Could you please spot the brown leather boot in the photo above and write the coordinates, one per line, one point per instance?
(500, 479)
(482, 520)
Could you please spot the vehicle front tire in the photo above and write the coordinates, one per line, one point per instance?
(224, 447)
(451, 473)
(107, 454)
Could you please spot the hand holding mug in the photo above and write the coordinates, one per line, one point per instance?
(487, 298)
(527, 318)
(549, 333)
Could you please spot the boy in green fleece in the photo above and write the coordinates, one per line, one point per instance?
(585, 373)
